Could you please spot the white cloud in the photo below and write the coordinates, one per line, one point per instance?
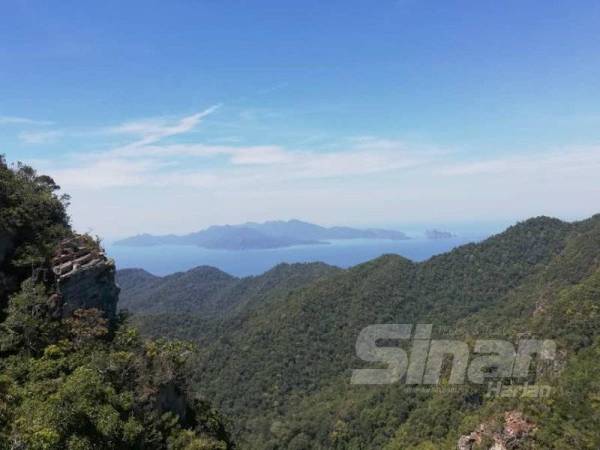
(258, 154)
(153, 130)
(40, 137)
(556, 162)
(146, 132)
(13, 120)
(107, 173)
(148, 162)
(224, 167)
(185, 186)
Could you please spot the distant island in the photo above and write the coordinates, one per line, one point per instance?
(438, 234)
(267, 235)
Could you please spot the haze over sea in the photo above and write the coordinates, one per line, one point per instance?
(166, 259)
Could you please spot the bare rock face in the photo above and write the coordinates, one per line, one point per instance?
(85, 277)
(514, 431)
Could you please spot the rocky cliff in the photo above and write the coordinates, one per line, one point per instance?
(85, 278)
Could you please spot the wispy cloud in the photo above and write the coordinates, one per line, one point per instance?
(148, 161)
(218, 166)
(108, 173)
(14, 120)
(144, 132)
(554, 162)
(359, 176)
(153, 130)
(40, 137)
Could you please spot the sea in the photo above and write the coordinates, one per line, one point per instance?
(166, 259)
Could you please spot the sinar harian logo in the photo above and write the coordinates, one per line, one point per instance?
(424, 360)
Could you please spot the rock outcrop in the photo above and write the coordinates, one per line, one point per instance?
(510, 436)
(85, 277)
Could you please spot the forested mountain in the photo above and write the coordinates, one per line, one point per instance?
(208, 291)
(197, 289)
(251, 235)
(275, 353)
(72, 376)
(281, 368)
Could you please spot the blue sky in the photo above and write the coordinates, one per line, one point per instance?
(172, 116)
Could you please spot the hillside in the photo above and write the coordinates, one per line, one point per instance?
(276, 352)
(197, 289)
(251, 235)
(207, 291)
(281, 369)
(181, 304)
(72, 376)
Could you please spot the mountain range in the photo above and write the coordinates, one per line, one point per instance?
(267, 235)
(276, 352)
(209, 292)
